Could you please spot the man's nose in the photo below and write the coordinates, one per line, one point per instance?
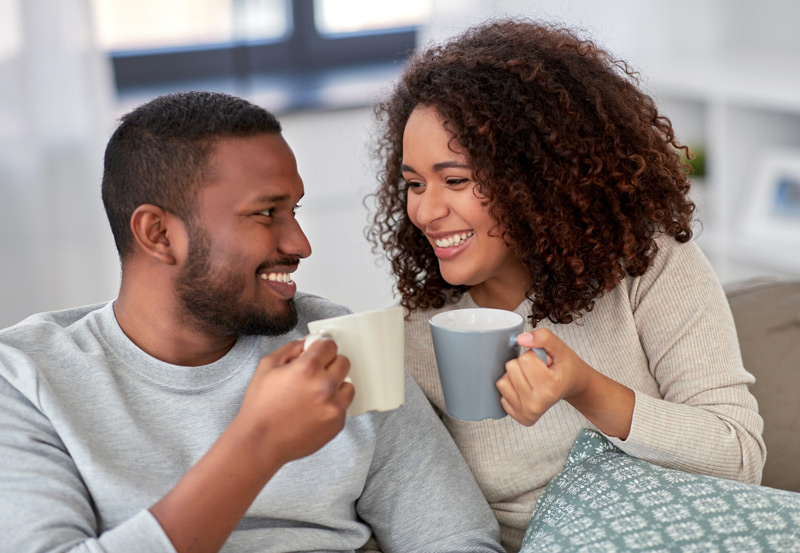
(294, 241)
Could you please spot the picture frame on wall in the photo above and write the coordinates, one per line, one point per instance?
(773, 210)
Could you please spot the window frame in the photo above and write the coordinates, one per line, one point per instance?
(303, 51)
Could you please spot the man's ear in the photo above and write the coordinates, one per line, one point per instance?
(159, 234)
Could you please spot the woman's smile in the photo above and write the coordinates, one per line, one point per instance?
(450, 245)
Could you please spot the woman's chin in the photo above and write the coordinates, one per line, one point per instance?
(456, 279)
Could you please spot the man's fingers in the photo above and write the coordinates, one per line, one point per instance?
(345, 394)
(284, 354)
(322, 351)
(339, 368)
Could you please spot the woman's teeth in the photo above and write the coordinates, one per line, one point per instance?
(454, 240)
(279, 277)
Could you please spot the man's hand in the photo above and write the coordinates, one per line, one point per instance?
(296, 401)
(295, 404)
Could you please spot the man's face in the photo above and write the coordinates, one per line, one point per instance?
(244, 241)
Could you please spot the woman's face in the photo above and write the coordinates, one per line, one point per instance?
(444, 203)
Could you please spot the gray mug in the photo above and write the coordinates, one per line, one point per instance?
(472, 347)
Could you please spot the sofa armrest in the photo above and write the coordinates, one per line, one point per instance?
(767, 316)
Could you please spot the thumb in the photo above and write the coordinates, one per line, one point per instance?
(542, 338)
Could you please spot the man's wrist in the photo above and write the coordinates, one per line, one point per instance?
(253, 445)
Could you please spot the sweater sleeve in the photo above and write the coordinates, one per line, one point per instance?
(707, 421)
(44, 504)
(420, 494)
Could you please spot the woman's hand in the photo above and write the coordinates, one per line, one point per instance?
(530, 387)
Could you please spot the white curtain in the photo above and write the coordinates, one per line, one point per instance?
(56, 113)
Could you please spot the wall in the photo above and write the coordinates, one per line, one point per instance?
(56, 249)
(332, 151)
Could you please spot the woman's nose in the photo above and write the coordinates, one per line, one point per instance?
(431, 205)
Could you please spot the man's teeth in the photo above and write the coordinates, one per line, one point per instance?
(454, 240)
(276, 277)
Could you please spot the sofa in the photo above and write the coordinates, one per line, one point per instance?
(605, 500)
(767, 316)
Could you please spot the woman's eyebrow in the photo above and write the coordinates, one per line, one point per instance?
(449, 165)
(437, 166)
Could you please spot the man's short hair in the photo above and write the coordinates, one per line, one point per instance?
(160, 151)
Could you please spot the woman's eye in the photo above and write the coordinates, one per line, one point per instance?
(456, 181)
(413, 184)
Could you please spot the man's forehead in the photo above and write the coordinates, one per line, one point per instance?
(264, 149)
(263, 156)
(250, 174)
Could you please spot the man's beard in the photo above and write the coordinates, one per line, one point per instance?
(212, 299)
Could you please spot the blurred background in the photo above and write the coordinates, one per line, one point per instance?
(727, 72)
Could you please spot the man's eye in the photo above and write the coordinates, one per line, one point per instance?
(268, 212)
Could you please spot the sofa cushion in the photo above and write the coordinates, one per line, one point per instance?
(606, 501)
(767, 316)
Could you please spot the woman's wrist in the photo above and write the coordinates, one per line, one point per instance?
(606, 403)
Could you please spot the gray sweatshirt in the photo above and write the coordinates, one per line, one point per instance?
(93, 431)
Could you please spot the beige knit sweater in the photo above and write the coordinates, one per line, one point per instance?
(668, 335)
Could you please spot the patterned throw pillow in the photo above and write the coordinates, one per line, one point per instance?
(607, 502)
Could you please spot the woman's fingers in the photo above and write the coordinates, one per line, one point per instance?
(508, 391)
(545, 339)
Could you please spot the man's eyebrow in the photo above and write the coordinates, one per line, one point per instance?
(271, 199)
(437, 166)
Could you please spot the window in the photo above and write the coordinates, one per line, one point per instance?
(124, 25)
(336, 16)
(10, 29)
(184, 42)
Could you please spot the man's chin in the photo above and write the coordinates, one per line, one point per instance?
(270, 324)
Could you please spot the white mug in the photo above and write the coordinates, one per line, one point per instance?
(373, 342)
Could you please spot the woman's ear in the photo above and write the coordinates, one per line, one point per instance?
(158, 234)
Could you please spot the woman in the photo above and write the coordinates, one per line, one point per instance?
(524, 169)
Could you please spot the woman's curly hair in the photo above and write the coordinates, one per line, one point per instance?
(580, 170)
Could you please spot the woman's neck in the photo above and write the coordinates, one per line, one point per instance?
(502, 292)
(501, 300)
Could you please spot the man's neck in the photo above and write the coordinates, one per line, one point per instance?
(157, 329)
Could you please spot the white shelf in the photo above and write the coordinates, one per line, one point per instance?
(770, 84)
(740, 112)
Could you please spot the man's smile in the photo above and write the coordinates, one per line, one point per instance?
(278, 277)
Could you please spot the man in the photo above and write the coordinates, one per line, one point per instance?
(184, 415)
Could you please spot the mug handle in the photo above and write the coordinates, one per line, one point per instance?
(321, 335)
(540, 353)
(314, 336)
